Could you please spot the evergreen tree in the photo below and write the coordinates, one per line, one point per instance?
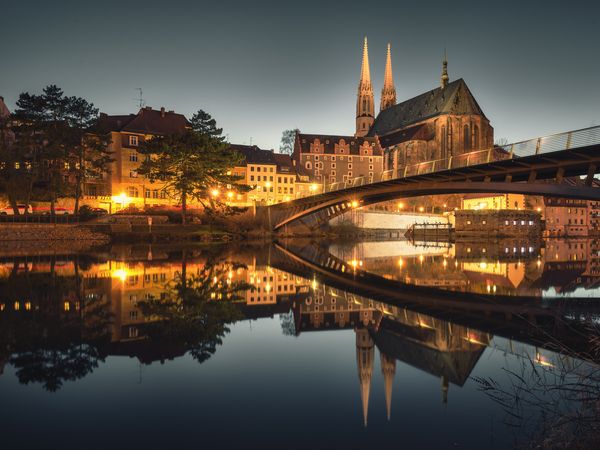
(288, 137)
(54, 142)
(194, 164)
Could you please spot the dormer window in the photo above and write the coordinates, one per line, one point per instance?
(133, 141)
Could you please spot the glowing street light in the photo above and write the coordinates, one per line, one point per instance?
(230, 195)
(354, 204)
(421, 209)
(400, 205)
(312, 187)
(214, 192)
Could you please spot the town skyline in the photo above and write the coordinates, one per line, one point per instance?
(306, 80)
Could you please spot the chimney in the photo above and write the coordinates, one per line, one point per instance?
(162, 111)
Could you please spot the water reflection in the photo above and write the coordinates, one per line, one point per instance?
(434, 307)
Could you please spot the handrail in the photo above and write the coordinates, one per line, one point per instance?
(568, 140)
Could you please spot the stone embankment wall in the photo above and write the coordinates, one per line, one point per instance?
(47, 238)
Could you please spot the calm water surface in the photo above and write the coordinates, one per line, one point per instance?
(297, 345)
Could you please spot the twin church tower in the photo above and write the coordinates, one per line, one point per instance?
(365, 104)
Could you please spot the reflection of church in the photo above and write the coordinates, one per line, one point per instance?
(440, 348)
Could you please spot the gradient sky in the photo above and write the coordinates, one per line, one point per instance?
(261, 67)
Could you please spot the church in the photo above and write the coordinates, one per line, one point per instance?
(444, 122)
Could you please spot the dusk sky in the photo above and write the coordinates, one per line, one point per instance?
(261, 67)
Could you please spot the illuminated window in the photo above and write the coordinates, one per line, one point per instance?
(133, 140)
(133, 157)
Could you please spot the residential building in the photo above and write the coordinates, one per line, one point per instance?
(273, 177)
(334, 159)
(123, 186)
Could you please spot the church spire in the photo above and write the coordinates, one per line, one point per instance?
(388, 93)
(388, 369)
(365, 115)
(444, 79)
(365, 349)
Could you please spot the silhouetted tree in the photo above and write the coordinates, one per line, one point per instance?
(288, 137)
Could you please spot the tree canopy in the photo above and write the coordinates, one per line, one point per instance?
(194, 164)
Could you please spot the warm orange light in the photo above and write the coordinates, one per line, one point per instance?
(119, 273)
(421, 209)
(230, 195)
(354, 204)
(214, 192)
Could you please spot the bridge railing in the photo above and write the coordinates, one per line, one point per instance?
(557, 142)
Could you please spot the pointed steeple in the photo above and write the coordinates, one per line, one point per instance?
(388, 93)
(365, 72)
(365, 108)
(365, 350)
(444, 78)
(388, 369)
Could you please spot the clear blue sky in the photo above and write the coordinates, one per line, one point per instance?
(261, 67)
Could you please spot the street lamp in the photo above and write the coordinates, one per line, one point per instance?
(421, 209)
(214, 192)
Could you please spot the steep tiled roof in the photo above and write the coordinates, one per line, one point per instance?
(329, 141)
(146, 121)
(253, 154)
(455, 98)
(4, 112)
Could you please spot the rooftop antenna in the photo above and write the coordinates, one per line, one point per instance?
(140, 100)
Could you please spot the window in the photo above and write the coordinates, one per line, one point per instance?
(133, 141)
(333, 158)
(476, 137)
(279, 179)
(252, 177)
(251, 168)
(333, 165)
(467, 137)
(133, 157)
(258, 169)
(133, 174)
(349, 166)
(132, 191)
(147, 193)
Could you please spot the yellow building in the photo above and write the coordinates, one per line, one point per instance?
(493, 201)
(273, 177)
(122, 186)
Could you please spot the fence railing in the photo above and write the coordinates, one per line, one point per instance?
(557, 142)
(42, 218)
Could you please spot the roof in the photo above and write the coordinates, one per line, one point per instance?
(4, 112)
(253, 154)
(455, 98)
(146, 121)
(329, 142)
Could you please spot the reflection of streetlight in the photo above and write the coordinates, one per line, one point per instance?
(400, 205)
(421, 209)
(119, 273)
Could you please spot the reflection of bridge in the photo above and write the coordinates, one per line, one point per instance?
(513, 168)
(532, 320)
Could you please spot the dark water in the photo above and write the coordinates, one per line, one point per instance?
(297, 345)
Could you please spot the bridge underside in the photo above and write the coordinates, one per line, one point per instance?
(530, 175)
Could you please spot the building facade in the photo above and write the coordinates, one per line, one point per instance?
(334, 159)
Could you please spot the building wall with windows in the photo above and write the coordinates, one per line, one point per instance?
(333, 159)
(493, 201)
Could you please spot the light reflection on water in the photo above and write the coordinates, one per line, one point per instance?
(195, 344)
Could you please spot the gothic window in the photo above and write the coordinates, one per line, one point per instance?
(467, 137)
(308, 165)
(364, 106)
(443, 141)
(476, 144)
